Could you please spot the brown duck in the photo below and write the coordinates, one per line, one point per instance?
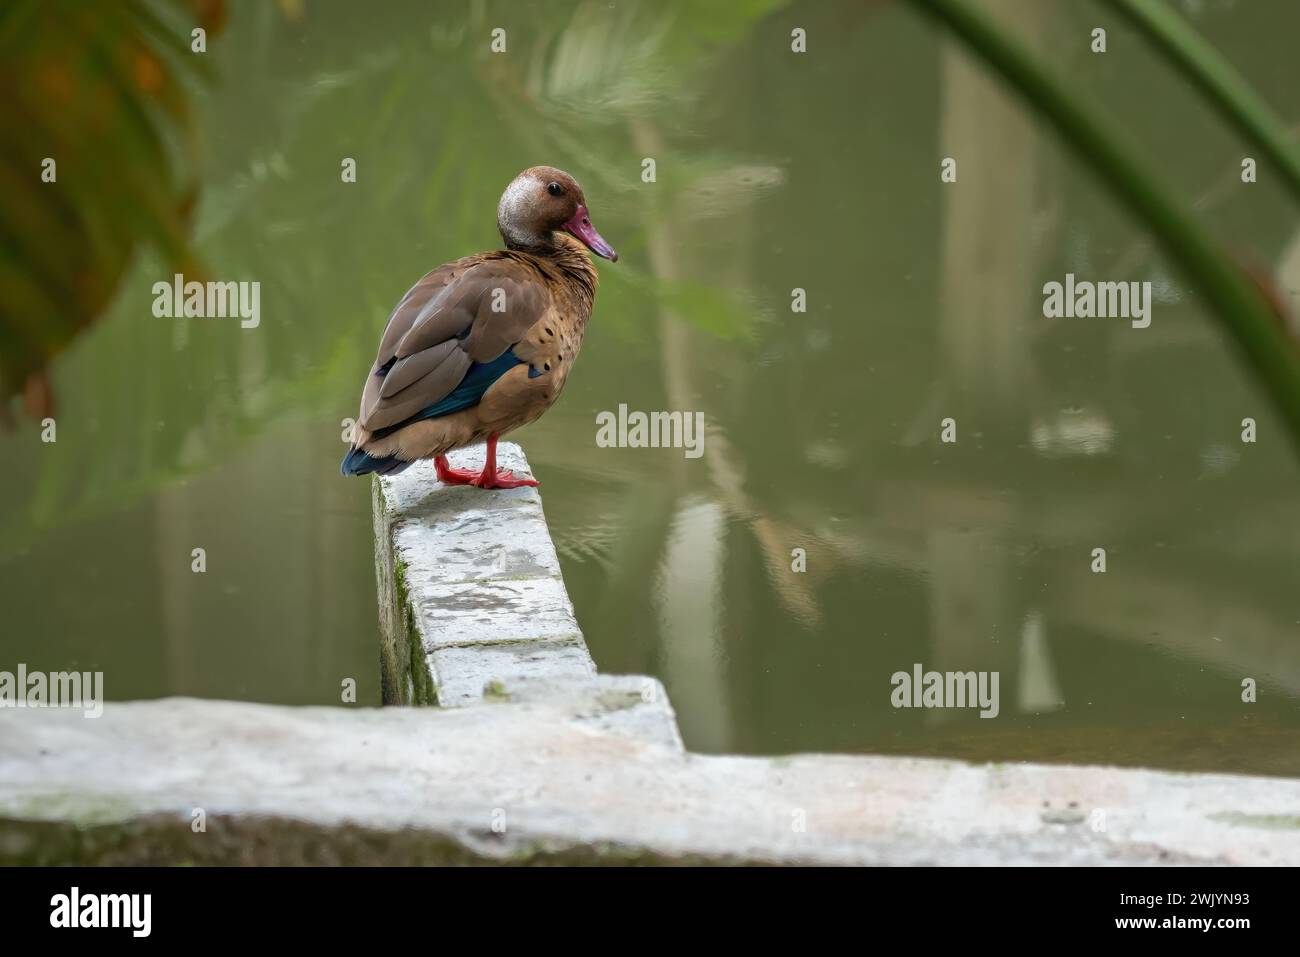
(483, 345)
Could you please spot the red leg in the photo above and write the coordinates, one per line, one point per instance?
(492, 477)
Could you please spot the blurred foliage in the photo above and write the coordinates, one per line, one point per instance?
(102, 90)
(262, 131)
(1246, 304)
(1214, 74)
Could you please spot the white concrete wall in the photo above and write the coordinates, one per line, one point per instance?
(534, 758)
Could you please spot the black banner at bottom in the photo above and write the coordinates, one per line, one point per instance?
(334, 906)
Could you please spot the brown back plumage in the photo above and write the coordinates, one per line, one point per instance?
(446, 322)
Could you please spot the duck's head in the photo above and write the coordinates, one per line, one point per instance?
(542, 201)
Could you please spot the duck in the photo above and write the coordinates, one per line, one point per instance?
(482, 346)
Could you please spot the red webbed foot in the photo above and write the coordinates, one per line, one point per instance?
(452, 476)
(502, 478)
(490, 477)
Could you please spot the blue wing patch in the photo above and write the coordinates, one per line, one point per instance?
(477, 381)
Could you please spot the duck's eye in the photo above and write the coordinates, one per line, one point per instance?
(555, 189)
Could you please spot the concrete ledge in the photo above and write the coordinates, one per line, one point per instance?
(469, 585)
(585, 773)
(534, 758)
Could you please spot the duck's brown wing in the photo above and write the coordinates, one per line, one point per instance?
(462, 313)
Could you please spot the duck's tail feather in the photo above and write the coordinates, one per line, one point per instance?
(357, 462)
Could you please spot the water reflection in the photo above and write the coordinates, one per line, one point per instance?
(774, 173)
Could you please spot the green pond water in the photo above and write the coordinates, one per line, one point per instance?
(775, 171)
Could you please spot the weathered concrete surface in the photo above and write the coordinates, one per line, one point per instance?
(544, 761)
(584, 771)
(469, 586)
